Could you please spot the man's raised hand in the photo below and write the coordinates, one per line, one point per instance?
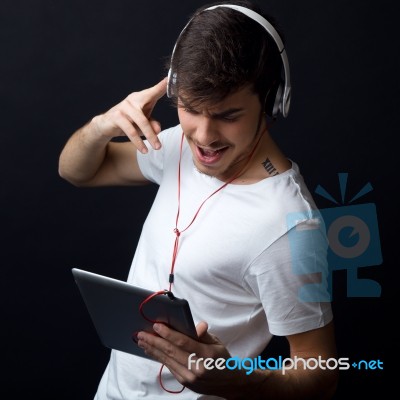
(132, 117)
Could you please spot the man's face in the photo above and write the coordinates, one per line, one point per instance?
(222, 137)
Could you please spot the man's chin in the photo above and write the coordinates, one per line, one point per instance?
(205, 170)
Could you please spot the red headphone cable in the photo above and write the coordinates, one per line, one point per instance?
(176, 244)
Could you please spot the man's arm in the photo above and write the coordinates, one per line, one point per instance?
(302, 383)
(90, 158)
(175, 350)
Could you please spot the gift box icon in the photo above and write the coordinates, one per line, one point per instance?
(353, 242)
(353, 238)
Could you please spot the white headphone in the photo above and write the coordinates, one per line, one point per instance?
(282, 98)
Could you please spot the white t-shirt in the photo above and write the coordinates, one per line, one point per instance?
(237, 265)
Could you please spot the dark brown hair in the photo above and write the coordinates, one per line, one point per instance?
(222, 51)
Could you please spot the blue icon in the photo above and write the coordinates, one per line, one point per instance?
(353, 242)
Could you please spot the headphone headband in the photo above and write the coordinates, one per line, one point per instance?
(282, 101)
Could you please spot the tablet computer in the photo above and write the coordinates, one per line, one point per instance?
(113, 306)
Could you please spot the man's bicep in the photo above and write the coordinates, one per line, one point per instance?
(120, 167)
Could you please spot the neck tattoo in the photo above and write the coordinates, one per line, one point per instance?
(267, 164)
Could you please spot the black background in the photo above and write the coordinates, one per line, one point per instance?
(64, 61)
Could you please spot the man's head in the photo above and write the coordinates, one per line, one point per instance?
(222, 51)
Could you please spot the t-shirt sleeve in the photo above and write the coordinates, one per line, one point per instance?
(291, 280)
(152, 164)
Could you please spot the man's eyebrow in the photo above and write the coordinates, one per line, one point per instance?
(225, 113)
(221, 114)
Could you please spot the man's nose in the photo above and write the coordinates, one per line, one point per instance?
(206, 131)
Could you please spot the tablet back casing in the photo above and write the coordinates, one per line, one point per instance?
(114, 309)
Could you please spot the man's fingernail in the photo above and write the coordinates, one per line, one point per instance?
(156, 327)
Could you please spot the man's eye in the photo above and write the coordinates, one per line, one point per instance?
(229, 119)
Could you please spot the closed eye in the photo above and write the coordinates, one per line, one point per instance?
(230, 115)
(230, 118)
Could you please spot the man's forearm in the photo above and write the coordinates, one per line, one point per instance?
(83, 155)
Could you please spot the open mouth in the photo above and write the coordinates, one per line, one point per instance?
(210, 156)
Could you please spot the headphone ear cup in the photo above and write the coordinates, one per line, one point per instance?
(171, 82)
(278, 101)
(273, 100)
(169, 90)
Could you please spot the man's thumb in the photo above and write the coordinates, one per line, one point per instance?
(203, 335)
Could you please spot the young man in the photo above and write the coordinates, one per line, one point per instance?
(218, 231)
